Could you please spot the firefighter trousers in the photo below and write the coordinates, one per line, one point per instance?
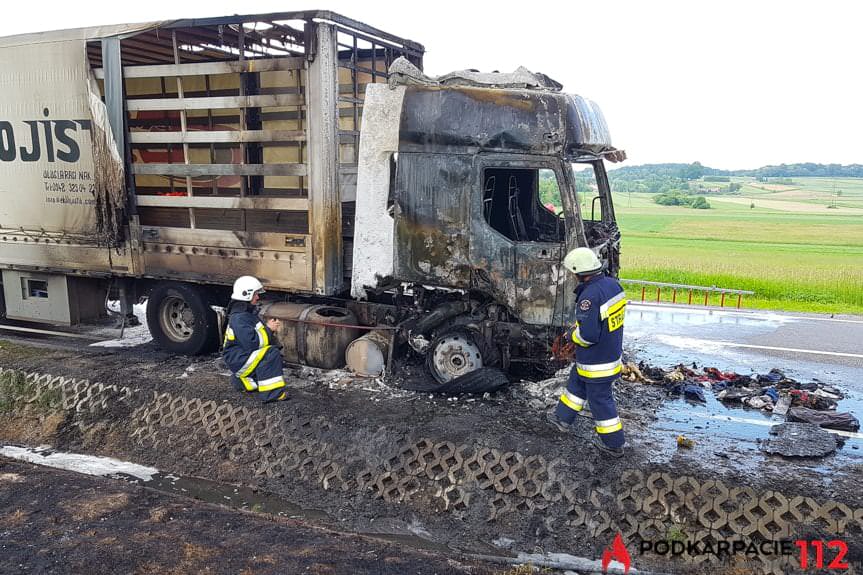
(261, 372)
(600, 395)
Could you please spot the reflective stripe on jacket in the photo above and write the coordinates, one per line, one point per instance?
(246, 339)
(598, 330)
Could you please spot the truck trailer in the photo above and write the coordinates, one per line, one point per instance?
(162, 160)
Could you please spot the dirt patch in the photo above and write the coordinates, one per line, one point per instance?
(800, 195)
(781, 205)
(93, 505)
(774, 187)
(195, 538)
(14, 519)
(159, 514)
(30, 426)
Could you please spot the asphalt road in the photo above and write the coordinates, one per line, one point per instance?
(804, 347)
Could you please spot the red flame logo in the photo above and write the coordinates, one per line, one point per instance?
(618, 553)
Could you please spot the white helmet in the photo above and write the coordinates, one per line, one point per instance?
(582, 261)
(245, 288)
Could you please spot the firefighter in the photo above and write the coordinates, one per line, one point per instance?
(250, 349)
(598, 335)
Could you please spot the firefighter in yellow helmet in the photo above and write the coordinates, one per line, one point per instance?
(598, 333)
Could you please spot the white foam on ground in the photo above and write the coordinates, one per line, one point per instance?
(690, 343)
(132, 336)
(567, 561)
(342, 379)
(86, 464)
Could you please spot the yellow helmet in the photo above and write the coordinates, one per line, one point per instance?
(582, 261)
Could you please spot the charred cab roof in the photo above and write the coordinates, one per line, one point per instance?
(521, 111)
(521, 120)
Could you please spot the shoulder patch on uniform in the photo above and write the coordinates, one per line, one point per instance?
(584, 304)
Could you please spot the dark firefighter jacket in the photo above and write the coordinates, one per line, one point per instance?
(247, 341)
(598, 330)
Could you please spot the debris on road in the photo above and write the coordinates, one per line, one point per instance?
(803, 398)
(685, 442)
(782, 406)
(829, 420)
(772, 391)
(799, 440)
(694, 392)
(632, 373)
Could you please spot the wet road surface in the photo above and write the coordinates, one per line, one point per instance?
(804, 347)
(749, 337)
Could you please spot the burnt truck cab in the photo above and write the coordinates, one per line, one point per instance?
(466, 188)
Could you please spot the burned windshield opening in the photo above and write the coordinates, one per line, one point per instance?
(523, 204)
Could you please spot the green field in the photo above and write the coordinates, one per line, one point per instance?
(791, 249)
(817, 193)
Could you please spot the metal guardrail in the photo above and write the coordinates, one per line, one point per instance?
(688, 288)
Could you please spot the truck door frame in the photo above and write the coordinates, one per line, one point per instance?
(508, 265)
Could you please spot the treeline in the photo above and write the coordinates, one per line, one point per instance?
(682, 172)
(804, 170)
(695, 171)
(681, 199)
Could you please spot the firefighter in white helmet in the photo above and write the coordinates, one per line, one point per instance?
(250, 347)
(598, 333)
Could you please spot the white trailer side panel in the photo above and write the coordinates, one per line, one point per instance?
(48, 216)
(46, 161)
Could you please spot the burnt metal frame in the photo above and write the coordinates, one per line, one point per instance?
(114, 100)
(328, 41)
(344, 23)
(218, 39)
(603, 187)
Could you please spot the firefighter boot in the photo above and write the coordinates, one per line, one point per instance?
(558, 423)
(582, 428)
(615, 452)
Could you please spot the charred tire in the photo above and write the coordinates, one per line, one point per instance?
(482, 380)
(454, 354)
(180, 319)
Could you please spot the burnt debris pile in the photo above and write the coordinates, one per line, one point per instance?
(806, 402)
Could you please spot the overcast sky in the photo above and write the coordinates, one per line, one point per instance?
(732, 84)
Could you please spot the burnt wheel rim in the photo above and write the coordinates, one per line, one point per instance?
(176, 319)
(453, 356)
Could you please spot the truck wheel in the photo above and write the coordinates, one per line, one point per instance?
(181, 320)
(454, 354)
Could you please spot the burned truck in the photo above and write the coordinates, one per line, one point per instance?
(160, 161)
